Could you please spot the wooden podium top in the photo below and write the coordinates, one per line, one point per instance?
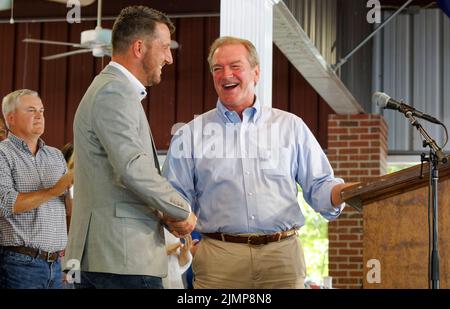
(391, 184)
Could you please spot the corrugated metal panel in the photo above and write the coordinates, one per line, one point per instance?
(409, 64)
(446, 71)
(353, 28)
(427, 74)
(396, 73)
(292, 40)
(318, 20)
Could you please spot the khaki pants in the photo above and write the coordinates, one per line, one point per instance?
(226, 265)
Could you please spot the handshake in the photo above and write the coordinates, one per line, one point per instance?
(180, 228)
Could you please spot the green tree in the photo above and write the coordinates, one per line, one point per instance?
(314, 237)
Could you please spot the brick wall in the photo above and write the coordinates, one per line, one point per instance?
(357, 150)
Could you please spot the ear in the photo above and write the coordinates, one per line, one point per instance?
(10, 119)
(138, 48)
(256, 72)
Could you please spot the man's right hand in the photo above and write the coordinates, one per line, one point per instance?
(181, 228)
(27, 201)
(63, 184)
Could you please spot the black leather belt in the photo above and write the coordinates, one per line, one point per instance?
(253, 239)
(36, 253)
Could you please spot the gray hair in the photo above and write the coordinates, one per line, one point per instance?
(11, 100)
(252, 55)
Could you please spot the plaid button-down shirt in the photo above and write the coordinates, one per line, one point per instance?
(20, 171)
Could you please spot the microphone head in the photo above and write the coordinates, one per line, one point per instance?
(381, 99)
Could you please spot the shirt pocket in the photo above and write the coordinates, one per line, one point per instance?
(275, 161)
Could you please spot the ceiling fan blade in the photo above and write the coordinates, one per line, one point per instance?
(28, 40)
(73, 52)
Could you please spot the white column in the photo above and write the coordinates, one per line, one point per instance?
(252, 20)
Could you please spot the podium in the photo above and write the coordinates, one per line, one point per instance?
(396, 227)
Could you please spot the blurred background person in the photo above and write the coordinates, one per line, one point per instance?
(3, 130)
(33, 183)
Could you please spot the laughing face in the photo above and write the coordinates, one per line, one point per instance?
(157, 55)
(234, 78)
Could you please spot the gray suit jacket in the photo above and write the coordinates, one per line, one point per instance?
(117, 188)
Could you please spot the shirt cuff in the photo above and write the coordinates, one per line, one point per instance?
(327, 210)
(6, 209)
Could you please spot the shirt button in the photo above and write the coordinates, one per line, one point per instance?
(247, 173)
(250, 193)
(253, 217)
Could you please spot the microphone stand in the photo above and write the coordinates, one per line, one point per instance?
(436, 155)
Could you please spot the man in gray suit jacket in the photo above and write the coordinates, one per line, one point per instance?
(121, 201)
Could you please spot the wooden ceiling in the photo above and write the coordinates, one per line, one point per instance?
(26, 9)
(46, 9)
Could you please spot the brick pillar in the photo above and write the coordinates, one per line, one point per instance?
(357, 150)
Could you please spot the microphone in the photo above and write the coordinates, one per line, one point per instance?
(384, 101)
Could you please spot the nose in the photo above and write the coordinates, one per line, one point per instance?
(39, 114)
(227, 71)
(169, 59)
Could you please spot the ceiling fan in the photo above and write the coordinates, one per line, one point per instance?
(97, 41)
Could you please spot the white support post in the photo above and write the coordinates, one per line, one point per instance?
(252, 20)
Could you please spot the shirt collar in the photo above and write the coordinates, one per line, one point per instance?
(142, 92)
(21, 144)
(250, 114)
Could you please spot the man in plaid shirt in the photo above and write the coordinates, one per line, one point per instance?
(3, 131)
(33, 183)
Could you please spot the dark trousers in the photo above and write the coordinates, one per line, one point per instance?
(93, 280)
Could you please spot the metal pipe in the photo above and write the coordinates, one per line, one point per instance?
(99, 14)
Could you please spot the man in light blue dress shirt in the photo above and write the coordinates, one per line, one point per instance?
(239, 165)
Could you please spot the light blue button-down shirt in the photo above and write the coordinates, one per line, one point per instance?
(241, 176)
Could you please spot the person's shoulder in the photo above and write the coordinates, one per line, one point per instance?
(206, 117)
(54, 152)
(198, 122)
(116, 84)
(5, 146)
(112, 80)
(282, 115)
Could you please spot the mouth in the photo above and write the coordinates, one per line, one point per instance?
(229, 86)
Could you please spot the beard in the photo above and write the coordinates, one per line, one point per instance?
(152, 76)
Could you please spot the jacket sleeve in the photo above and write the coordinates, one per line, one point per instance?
(116, 122)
